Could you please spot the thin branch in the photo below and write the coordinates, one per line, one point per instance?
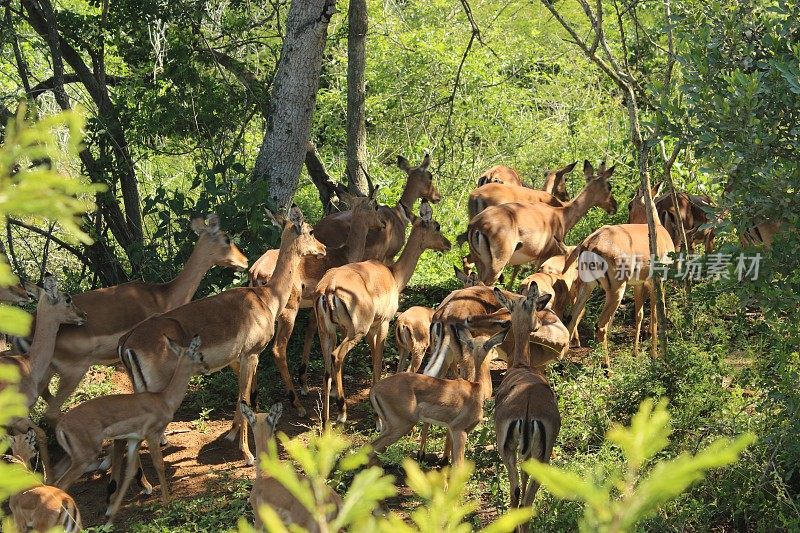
(71, 249)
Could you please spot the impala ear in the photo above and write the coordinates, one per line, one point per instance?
(532, 296)
(588, 170)
(276, 219)
(296, 218)
(461, 276)
(50, 287)
(501, 297)
(566, 170)
(425, 211)
(425, 161)
(402, 162)
(248, 413)
(542, 301)
(374, 194)
(198, 225)
(274, 415)
(497, 338)
(657, 189)
(212, 224)
(610, 171)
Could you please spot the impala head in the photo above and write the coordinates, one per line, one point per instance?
(420, 180)
(468, 280)
(599, 185)
(263, 424)
(191, 352)
(432, 238)
(217, 244)
(295, 227)
(523, 308)
(498, 174)
(59, 304)
(636, 211)
(365, 208)
(23, 446)
(555, 182)
(15, 294)
(480, 346)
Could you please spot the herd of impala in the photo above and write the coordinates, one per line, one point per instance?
(345, 269)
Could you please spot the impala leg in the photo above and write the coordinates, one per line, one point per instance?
(391, 435)
(283, 331)
(248, 370)
(69, 378)
(130, 468)
(578, 309)
(448, 449)
(377, 340)
(338, 368)
(326, 340)
(403, 353)
(158, 463)
(459, 439)
(423, 441)
(308, 343)
(638, 315)
(613, 299)
(510, 460)
(417, 353)
(72, 474)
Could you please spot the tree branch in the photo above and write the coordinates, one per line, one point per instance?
(44, 233)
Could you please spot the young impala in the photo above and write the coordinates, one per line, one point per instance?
(42, 507)
(526, 415)
(269, 491)
(127, 419)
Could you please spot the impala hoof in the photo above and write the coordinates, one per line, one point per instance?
(303, 390)
(342, 418)
(249, 460)
(232, 433)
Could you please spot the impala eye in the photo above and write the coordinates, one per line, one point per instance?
(68, 299)
(311, 232)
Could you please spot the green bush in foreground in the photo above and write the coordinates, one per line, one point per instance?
(621, 501)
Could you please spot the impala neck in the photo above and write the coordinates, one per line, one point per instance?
(573, 211)
(357, 239)
(403, 269)
(484, 378)
(279, 287)
(174, 392)
(522, 350)
(182, 288)
(41, 350)
(408, 198)
(261, 436)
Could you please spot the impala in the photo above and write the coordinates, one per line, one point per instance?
(42, 507)
(483, 312)
(128, 419)
(402, 400)
(613, 257)
(384, 244)
(690, 210)
(499, 174)
(360, 299)
(526, 416)
(311, 269)
(553, 193)
(113, 311)
(236, 324)
(268, 490)
(412, 329)
(519, 233)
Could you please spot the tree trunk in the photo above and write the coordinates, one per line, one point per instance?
(283, 150)
(642, 152)
(356, 93)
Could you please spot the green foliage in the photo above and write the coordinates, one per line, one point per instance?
(624, 499)
(444, 507)
(31, 186)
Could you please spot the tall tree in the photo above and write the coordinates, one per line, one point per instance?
(294, 93)
(620, 72)
(357, 17)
